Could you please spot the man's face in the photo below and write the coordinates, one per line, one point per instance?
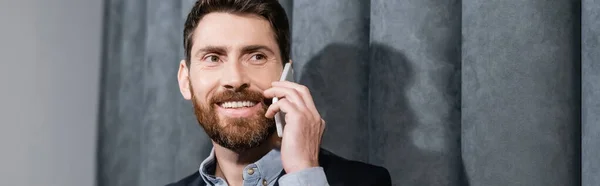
(234, 58)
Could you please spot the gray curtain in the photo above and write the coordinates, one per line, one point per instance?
(440, 92)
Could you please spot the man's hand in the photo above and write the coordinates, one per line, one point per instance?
(303, 129)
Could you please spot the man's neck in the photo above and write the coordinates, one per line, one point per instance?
(231, 164)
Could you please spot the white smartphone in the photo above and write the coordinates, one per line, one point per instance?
(287, 75)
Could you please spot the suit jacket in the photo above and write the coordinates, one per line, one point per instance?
(339, 171)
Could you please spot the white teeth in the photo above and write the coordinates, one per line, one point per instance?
(237, 104)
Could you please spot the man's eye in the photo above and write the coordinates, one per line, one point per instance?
(258, 57)
(211, 58)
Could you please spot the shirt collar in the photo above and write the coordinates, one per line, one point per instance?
(268, 167)
(207, 169)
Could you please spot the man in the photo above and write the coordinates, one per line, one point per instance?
(234, 56)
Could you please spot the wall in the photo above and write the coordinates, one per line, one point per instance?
(49, 75)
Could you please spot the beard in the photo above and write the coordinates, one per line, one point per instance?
(236, 134)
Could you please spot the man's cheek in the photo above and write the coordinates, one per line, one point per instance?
(202, 92)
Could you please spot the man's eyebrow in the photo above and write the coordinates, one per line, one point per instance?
(211, 49)
(252, 48)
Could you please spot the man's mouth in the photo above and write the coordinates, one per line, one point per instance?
(237, 104)
(239, 109)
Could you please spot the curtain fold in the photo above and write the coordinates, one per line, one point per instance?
(452, 92)
(590, 77)
(161, 98)
(415, 90)
(119, 136)
(521, 102)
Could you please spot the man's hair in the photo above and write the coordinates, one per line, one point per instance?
(271, 10)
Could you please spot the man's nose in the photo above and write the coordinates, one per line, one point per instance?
(234, 78)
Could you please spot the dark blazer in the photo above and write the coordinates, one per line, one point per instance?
(339, 171)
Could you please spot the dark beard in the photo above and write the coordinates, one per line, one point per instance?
(236, 134)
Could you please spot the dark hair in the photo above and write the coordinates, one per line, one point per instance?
(271, 10)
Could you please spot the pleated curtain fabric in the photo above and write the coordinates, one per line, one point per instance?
(590, 95)
(440, 92)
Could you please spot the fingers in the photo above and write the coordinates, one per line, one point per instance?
(288, 93)
(302, 90)
(283, 105)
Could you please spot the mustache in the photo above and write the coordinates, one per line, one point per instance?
(243, 95)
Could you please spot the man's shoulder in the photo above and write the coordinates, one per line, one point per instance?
(340, 170)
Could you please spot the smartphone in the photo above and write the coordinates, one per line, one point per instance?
(287, 75)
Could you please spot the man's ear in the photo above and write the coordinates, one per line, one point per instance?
(183, 77)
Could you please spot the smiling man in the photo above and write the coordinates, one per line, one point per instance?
(235, 51)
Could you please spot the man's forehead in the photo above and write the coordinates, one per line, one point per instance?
(233, 31)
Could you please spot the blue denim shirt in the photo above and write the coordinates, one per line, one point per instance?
(266, 171)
